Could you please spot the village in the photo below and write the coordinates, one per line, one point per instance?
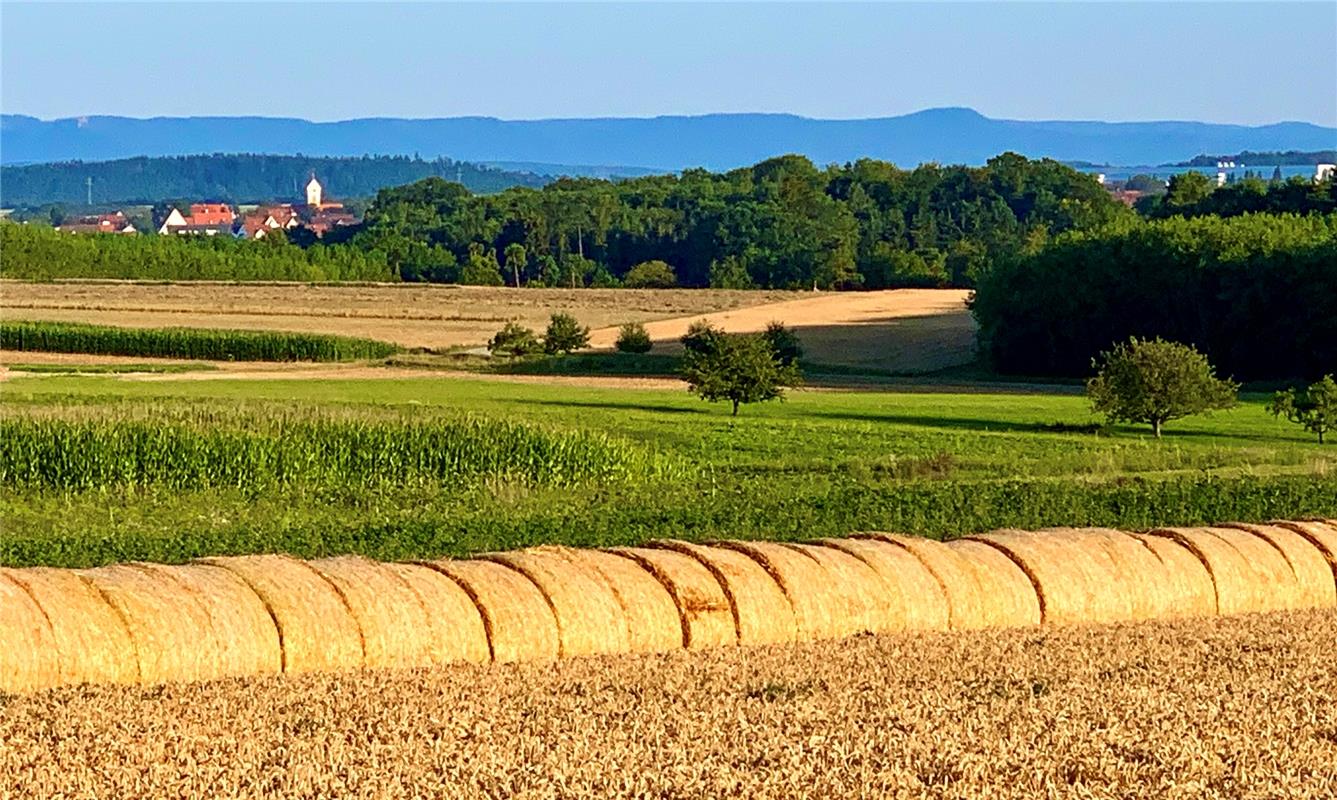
(317, 216)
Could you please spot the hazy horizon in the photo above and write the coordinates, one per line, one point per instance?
(1231, 63)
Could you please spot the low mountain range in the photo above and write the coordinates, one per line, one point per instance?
(714, 141)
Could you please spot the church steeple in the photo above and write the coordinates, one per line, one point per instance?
(313, 192)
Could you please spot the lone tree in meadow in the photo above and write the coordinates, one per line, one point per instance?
(739, 368)
(1155, 381)
(564, 334)
(634, 338)
(1315, 408)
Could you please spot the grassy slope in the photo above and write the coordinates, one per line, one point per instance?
(821, 463)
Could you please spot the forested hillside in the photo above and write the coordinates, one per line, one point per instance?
(237, 178)
(783, 223)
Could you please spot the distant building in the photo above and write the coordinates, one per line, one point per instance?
(1324, 172)
(206, 219)
(319, 215)
(260, 222)
(1127, 196)
(116, 222)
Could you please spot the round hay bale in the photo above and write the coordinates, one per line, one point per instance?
(1061, 580)
(589, 617)
(317, 630)
(247, 637)
(923, 604)
(1307, 561)
(762, 614)
(653, 623)
(1235, 582)
(395, 629)
(867, 605)
(1010, 600)
(1111, 594)
(1322, 535)
(1187, 589)
(29, 659)
(812, 592)
(966, 604)
(455, 629)
(92, 642)
(173, 635)
(1275, 587)
(704, 613)
(1138, 570)
(519, 622)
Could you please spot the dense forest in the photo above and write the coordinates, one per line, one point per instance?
(783, 223)
(1257, 293)
(240, 178)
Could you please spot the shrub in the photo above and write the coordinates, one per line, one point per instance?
(564, 334)
(784, 343)
(740, 369)
(514, 340)
(1155, 381)
(633, 338)
(1315, 408)
(650, 275)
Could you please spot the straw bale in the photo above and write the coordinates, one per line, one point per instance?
(1138, 570)
(762, 614)
(317, 630)
(248, 639)
(1112, 595)
(173, 635)
(1187, 588)
(455, 629)
(1275, 587)
(29, 659)
(866, 603)
(923, 603)
(1010, 599)
(818, 603)
(1322, 535)
(1307, 561)
(1061, 580)
(704, 611)
(653, 623)
(92, 642)
(520, 623)
(1235, 581)
(965, 601)
(390, 615)
(589, 617)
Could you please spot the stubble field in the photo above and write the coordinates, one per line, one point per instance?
(1228, 707)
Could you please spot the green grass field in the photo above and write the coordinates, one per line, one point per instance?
(821, 463)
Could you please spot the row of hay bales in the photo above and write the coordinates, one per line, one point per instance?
(255, 615)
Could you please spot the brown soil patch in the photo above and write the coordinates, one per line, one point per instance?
(1227, 707)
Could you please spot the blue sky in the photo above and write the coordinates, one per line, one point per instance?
(1218, 62)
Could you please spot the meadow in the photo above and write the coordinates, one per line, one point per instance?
(821, 463)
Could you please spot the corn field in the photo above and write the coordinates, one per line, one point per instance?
(192, 343)
(88, 449)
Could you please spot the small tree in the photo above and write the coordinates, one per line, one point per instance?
(739, 369)
(514, 340)
(784, 343)
(1155, 381)
(650, 275)
(516, 260)
(701, 337)
(564, 334)
(633, 338)
(1315, 409)
(482, 268)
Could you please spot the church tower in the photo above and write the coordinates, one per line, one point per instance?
(313, 192)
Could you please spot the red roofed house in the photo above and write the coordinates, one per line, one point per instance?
(208, 219)
(268, 218)
(102, 223)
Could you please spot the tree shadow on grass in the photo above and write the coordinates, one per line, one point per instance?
(1002, 426)
(618, 406)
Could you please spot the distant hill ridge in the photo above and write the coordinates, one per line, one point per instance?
(713, 141)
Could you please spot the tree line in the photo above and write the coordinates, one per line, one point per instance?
(782, 223)
(1193, 194)
(1257, 293)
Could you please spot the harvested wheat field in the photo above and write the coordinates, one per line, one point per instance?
(904, 330)
(1215, 708)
